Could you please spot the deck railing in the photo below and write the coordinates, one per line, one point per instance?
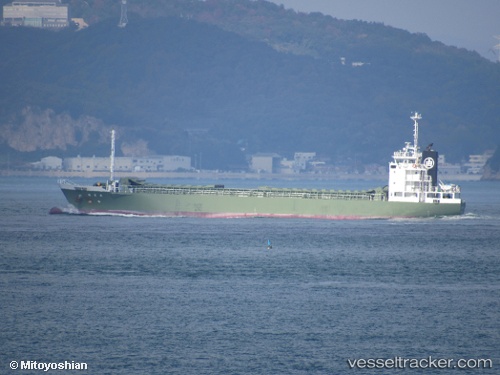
(260, 193)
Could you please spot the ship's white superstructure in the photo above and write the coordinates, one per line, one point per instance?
(410, 179)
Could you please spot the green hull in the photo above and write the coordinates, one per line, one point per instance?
(214, 202)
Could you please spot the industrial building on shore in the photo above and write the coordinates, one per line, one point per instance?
(50, 14)
(157, 163)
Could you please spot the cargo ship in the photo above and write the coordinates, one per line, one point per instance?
(413, 191)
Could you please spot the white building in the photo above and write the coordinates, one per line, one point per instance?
(476, 163)
(36, 13)
(302, 160)
(160, 163)
(447, 168)
(265, 163)
(50, 163)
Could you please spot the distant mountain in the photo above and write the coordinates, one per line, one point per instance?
(224, 79)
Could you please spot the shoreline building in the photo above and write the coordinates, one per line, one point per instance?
(36, 13)
(158, 163)
(265, 163)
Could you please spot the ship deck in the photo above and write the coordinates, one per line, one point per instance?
(262, 192)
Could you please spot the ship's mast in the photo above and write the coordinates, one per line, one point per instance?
(415, 117)
(112, 156)
(123, 17)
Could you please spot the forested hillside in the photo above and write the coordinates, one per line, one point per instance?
(229, 78)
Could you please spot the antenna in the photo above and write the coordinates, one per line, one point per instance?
(112, 156)
(123, 17)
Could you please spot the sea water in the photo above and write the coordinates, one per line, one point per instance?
(144, 295)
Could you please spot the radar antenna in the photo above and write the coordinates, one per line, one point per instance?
(123, 17)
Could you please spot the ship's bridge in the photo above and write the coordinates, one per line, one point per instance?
(408, 155)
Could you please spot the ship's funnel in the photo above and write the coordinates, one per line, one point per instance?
(430, 162)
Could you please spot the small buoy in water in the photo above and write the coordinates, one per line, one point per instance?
(269, 246)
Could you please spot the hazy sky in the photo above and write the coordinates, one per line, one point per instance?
(469, 24)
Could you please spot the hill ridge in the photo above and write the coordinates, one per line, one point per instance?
(160, 77)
